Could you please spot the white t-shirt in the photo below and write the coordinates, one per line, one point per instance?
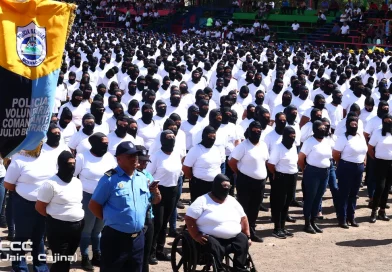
(272, 139)
(295, 27)
(114, 141)
(285, 160)
(215, 219)
(166, 168)
(382, 144)
(341, 127)
(335, 113)
(76, 139)
(91, 168)
(251, 159)
(318, 154)
(221, 141)
(65, 199)
(190, 131)
(68, 132)
(77, 113)
(352, 148)
(345, 29)
(205, 162)
(373, 124)
(148, 132)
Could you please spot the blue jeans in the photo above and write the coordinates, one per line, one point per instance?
(173, 217)
(29, 224)
(314, 184)
(350, 177)
(333, 187)
(92, 228)
(370, 176)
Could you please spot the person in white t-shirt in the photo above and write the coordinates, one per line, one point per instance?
(216, 220)
(248, 161)
(380, 149)
(59, 199)
(90, 167)
(295, 26)
(318, 154)
(66, 126)
(79, 141)
(283, 166)
(349, 153)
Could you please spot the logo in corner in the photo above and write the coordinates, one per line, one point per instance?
(31, 44)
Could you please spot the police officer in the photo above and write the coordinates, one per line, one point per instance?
(121, 199)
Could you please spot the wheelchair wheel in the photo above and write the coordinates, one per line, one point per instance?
(184, 253)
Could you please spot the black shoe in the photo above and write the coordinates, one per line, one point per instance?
(315, 227)
(382, 216)
(320, 217)
(296, 203)
(279, 234)
(353, 223)
(373, 217)
(86, 264)
(370, 204)
(96, 260)
(287, 233)
(180, 218)
(290, 219)
(309, 229)
(173, 233)
(256, 239)
(153, 261)
(343, 225)
(263, 208)
(161, 256)
(180, 205)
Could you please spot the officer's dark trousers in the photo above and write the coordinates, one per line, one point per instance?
(199, 187)
(120, 252)
(149, 234)
(249, 196)
(281, 196)
(237, 245)
(63, 238)
(162, 212)
(383, 171)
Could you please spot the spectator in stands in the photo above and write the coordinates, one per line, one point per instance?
(370, 34)
(380, 35)
(257, 27)
(334, 7)
(344, 18)
(373, 10)
(295, 26)
(321, 19)
(262, 11)
(362, 18)
(264, 28)
(324, 6)
(335, 31)
(301, 7)
(345, 31)
(285, 7)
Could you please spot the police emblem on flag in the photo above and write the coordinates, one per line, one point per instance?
(31, 44)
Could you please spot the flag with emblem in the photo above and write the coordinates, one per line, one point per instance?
(32, 39)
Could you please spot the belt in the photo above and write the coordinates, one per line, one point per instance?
(136, 234)
(132, 235)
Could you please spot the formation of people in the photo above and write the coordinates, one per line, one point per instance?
(138, 114)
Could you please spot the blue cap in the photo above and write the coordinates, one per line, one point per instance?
(127, 148)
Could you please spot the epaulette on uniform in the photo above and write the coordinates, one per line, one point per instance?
(110, 172)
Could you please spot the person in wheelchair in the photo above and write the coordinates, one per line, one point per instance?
(218, 222)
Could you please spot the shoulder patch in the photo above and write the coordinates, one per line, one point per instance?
(110, 172)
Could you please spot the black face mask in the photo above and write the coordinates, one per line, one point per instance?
(207, 142)
(244, 94)
(75, 102)
(60, 80)
(66, 171)
(369, 109)
(121, 131)
(161, 111)
(53, 140)
(101, 92)
(99, 149)
(165, 85)
(254, 137)
(358, 92)
(132, 131)
(147, 117)
(132, 90)
(288, 141)
(167, 144)
(175, 101)
(277, 89)
(62, 123)
(203, 112)
(140, 86)
(72, 80)
(257, 82)
(319, 105)
(381, 112)
(319, 134)
(88, 129)
(218, 190)
(351, 130)
(259, 100)
(387, 127)
(286, 101)
(215, 123)
(279, 126)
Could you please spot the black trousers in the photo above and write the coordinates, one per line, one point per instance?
(199, 187)
(120, 251)
(237, 245)
(230, 174)
(281, 196)
(383, 171)
(63, 238)
(249, 195)
(162, 212)
(148, 235)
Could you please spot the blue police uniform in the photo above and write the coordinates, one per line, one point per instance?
(125, 201)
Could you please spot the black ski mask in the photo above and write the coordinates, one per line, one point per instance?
(386, 126)
(65, 115)
(168, 140)
(88, 129)
(203, 108)
(98, 148)
(53, 139)
(349, 129)
(253, 136)
(206, 141)
(147, 113)
(65, 168)
(97, 109)
(383, 109)
(288, 138)
(215, 118)
(291, 114)
(160, 108)
(74, 101)
(193, 115)
(280, 124)
(121, 130)
(318, 133)
(218, 190)
(315, 115)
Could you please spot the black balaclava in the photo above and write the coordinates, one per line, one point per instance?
(250, 114)
(132, 131)
(193, 115)
(244, 92)
(279, 125)
(101, 89)
(53, 140)
(167, 144)
(160, 108)
(358, 90)
(195, 79)
(199, 96)
(183, 88)
(351, 130)
(117, 105)
(208, 91)
(313, 115)
(257, 80)
(287, 140)
(132, 88)
(169, 123)
(380, 111)
(226, 114)
(264, 121)
(176, 118)
(139, 84)
(319, 102)
(219, 84)
(286, 98)
(253, 136)
(259, 98)
(214, 114)
(165, 86)
(97, 109)
(328, 87)
(66, 114)
(384, 94)
(149, 96)
(317, 133)
(202, 111)
(133, 107)
(206, 141)
(337, 97)
(65, 169)
(217, 189)
(154, 85)
(327, 131)
(303, 93)
(147, 116)
(386, 127)
(73, 79)
(88, 129)
(175, 98)
(290, 116)
(234, 117)
(98, 148)
(278, 86)
(60, 80)
(74, 102)
(369, 101)
(121, 131)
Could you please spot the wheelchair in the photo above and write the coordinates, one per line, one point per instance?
(186, 256)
